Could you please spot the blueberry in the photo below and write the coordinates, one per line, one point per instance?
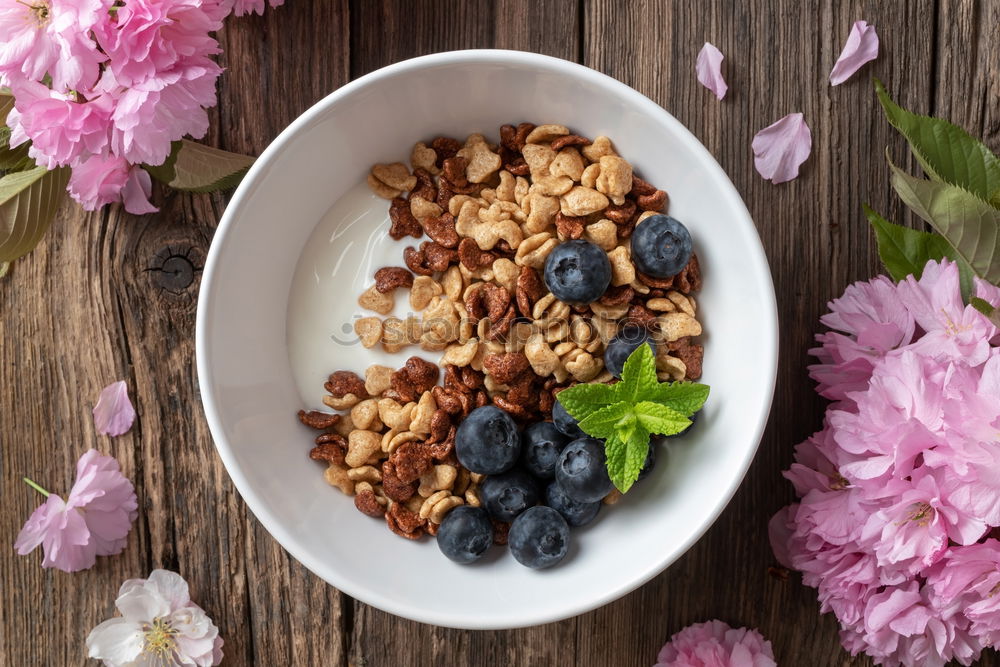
(541, 445)
(539, 538)
(582, 471)
(565, 422)
(576, 514)
(661, 246)
(650, 462)
(487, 441)
(508, 494)
(577, 272)
(465, 534)
(693, 419)
(625, 343)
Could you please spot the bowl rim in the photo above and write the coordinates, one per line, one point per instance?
(207, 298)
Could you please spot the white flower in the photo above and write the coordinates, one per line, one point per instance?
(159, 626)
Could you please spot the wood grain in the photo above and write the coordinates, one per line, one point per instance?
(110, 296)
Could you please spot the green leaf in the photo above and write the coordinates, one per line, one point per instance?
(969, 224)
(194, 167)
(660, 419)
(686, 398)
(638, 375)
(626, 452)
(986, 308)
(945, 151)
(583, 399)
(29, 201)
(905, 251)
(605, 422)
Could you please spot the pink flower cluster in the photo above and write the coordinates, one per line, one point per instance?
(103, 86)
(899, 509)
(715, 644)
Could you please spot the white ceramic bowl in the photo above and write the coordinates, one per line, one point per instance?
(250, 395)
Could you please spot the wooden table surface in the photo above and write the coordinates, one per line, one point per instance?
(108, 296)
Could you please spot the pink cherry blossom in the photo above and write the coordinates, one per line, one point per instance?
(709, 70)
(94, 521)
(241, 7)
(113, 413)
(903, 628)
(61, 129)
(868, 322)
(39, 37)
(953, 330)
(970, 577)
(151, 115)
(152, 37)
(715, 644)
(913, 533)
(781, 148)
(101, 180)
(861, 47)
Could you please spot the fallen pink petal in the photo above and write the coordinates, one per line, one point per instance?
(94, 521)
(709, 69)
(781, 148)
(114, 414)
(861, 48)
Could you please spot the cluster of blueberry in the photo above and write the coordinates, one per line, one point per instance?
(552, 475)
(543, 480)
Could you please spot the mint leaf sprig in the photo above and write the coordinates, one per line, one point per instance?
(626, 414)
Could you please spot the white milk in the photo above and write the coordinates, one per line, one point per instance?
(339, 260)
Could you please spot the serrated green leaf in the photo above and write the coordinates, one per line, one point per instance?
(583, 399)
(969, 224)
(986, 308)
(905, 251)
(660, 419)
(626, 452)
(686, 398)
(605, 422)
(638, 375)
(616, 453)
(29, 201)
(945, 151)
(194, 167)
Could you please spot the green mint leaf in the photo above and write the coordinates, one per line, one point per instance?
(607, 421)
(986, 308)
(29, 201)
(195, 167)
(969, 224)
(638, 375)
(686, 398)
(583, 399)
(945, 151)
(658, 418)
(904, 251)
(626, 452)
